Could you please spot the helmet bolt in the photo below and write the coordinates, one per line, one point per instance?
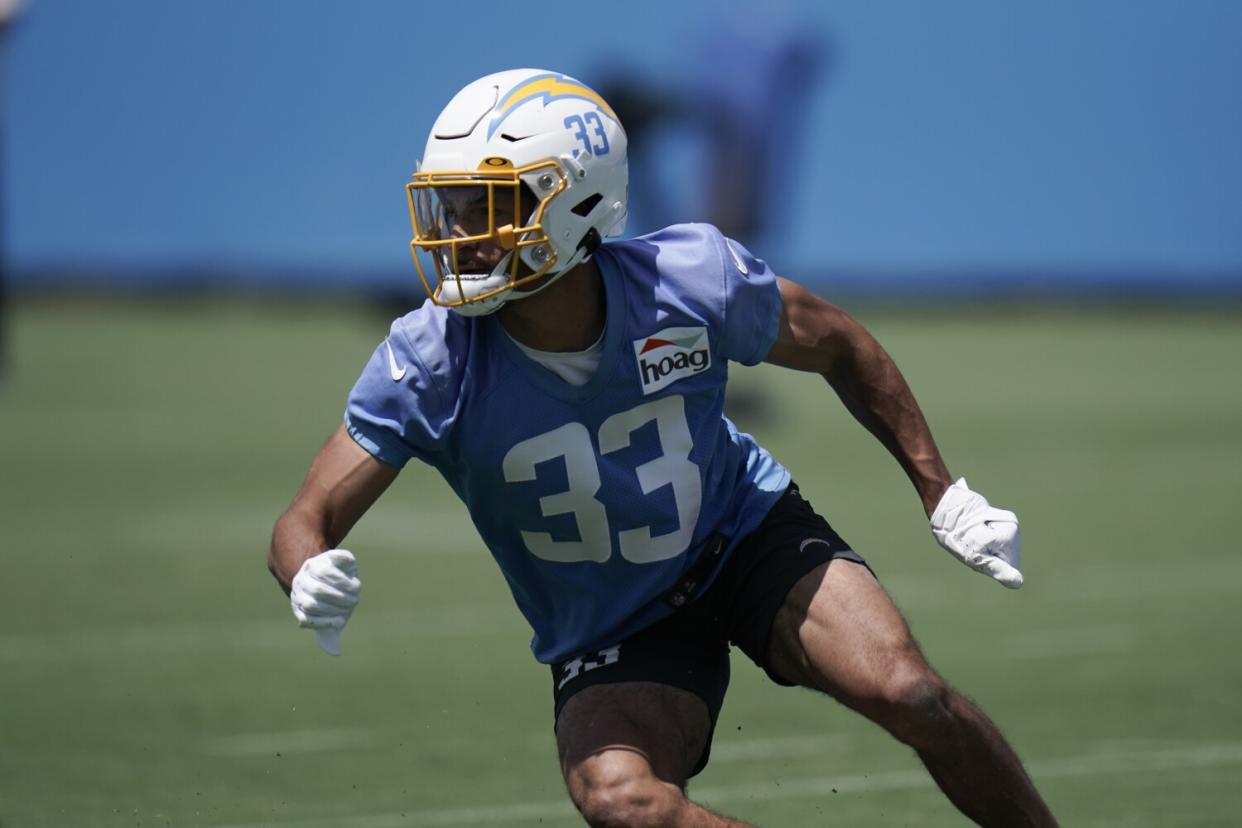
(545, 181)
(540, 253)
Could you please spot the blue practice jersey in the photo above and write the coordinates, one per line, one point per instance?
(593, 499)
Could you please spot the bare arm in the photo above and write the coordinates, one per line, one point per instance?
(343, 481)
(815, 335)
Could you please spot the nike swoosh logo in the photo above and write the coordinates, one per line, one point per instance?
(802, 547)
(396, 374)
(737, 260)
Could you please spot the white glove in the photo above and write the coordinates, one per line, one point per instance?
(324, 594)
(984, 538)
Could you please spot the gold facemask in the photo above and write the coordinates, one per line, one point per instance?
(451, 210)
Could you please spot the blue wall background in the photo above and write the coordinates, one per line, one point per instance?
(984, 145)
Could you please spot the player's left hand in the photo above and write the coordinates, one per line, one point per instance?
(324, 594)
(979, 535)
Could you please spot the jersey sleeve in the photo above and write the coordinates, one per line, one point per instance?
(752, 304)
(396, 410)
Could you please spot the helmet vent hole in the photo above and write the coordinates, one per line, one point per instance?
(585, 206)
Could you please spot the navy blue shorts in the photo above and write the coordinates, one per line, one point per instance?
(690, 648)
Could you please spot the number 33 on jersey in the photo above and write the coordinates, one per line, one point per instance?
(573, 443)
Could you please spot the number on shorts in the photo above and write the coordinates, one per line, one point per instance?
(577, 666)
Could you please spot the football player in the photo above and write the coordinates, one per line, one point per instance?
(570, 390)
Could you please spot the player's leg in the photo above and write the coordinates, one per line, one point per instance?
(838, 632)
(627, 750)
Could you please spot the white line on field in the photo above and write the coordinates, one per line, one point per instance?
(1082, 765)
(242, 527)
(1085, 764)
(1083, 584)
(1163, 578)
(469, 621)
(206, 636)
(746, 750)
(307, 741)
(1045, 643)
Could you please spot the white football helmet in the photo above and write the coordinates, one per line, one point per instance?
(522, 129)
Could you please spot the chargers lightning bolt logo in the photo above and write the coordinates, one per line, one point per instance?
(550, 87)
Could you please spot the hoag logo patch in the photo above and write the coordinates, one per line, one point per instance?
(670, 355)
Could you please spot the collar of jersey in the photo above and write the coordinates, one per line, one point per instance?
(615, 314)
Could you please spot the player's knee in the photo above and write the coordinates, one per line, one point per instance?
(616, 798)
(916, 705)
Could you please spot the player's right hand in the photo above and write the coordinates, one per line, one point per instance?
(324, 594)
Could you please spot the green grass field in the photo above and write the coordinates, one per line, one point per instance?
(151, 673)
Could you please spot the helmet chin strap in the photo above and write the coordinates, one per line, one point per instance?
(475, 284)
(465, 286)
(481, 307)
